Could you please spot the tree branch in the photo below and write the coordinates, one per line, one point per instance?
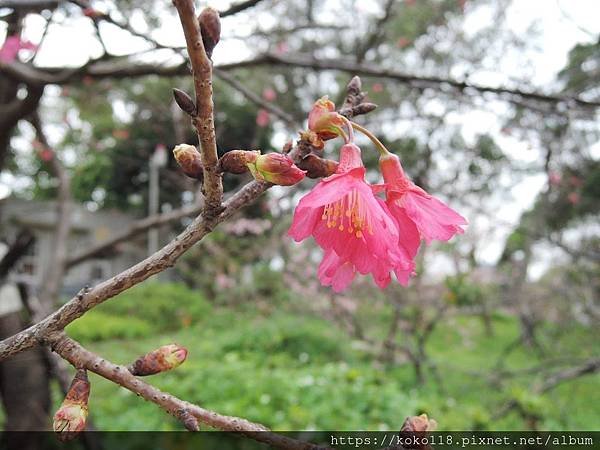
(119, 69)
(143, 270)
(135, 229)
(52, 279)
(256, 99)
(239, 7)
(203, 120)
(188, 413)
(16, 249)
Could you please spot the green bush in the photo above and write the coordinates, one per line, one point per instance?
(140, 311)
(98, 326)
(299, 337)
(167, 306)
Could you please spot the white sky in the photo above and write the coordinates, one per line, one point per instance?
(72, 42)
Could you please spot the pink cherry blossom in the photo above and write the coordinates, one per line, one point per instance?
(263, 118)
(269, 94)
(11, 47)
(353, 226)
(408, 202)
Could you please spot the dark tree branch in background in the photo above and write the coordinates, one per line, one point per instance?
(134, 230)
(17, 248)
(119, 69)
(440, 83)
(26, 5)
(377, 32)
(239, 7)
(255, 98)
(52, 279)
(552, 381)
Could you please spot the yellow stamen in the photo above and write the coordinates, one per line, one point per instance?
(348, 213)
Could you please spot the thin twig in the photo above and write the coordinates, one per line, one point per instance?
(82, 358)
(256, 99)
(203, 120)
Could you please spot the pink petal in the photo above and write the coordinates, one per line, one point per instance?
(403, 276)
(303, 223)
(410, 238)
(434, 219)
(335, 273)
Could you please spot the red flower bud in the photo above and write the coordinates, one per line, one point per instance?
(188, 158)
(236, 161)
(317, 167)
(92, 13)
(418, 424)
(418, 427)
(324, 121)
(162, 359)
(277, 169)
(70, 418)
(210, 28)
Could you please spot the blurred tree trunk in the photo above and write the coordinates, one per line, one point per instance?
(23, 383)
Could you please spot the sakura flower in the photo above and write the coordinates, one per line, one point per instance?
(11, 47)
(353, 227)
(263, 118)
(408, 203)
(324, 121)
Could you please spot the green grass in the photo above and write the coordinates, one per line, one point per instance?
(290, 371)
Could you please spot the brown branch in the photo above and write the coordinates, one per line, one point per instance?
(50, 331)
(187, 413)
(410, 79)
(203, 120)
(119, 69)
(155, 263)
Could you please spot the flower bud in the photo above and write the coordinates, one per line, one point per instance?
(93, 13)
(162, 359)
(210, 28)
(188, 158)
(324, 121)
(317, 167)
(184, 101)
(277, 169)
(417, 427)
(418, 424)
(236, 161)
(312, 138)
(70, 418)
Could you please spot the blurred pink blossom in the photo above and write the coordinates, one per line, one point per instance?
(269, 94)
(11, 47)
(263, 118)
(573, 198)
(281, 48)
(554, 178)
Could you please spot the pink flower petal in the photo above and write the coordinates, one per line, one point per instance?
(434, 219)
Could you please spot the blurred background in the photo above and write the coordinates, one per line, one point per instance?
(492, 105)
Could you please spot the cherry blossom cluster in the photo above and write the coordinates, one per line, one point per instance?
(362, 228)
(359, 230)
